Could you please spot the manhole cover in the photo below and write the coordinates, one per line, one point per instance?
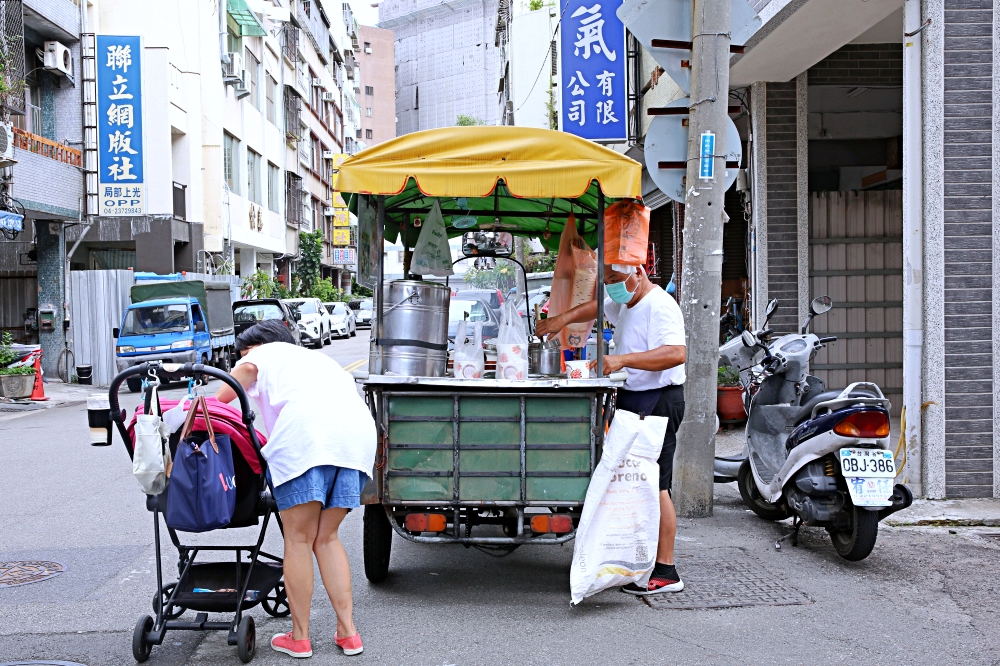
(726, 578)
(27, 571)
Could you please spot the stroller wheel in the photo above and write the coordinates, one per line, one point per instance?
(162, 597)
(140, 639)
(275, 603)
(246, 639)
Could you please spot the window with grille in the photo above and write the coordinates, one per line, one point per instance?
(253, 176)
(252, 65)
(230, 162)
(293, 199)
(271, 90)
(293, 109)
(368, 134)
(273, 187)
(290, 42)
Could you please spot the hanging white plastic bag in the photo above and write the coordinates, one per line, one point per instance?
(619, 527)
(470, 359)
(432, 254)
(512, 345)
(151, 461)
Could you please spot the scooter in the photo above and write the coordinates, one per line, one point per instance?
(821, 457)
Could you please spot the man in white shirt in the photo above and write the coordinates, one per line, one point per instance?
(650, 343)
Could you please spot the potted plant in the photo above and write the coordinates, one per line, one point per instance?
(729, 400)
(14, 382)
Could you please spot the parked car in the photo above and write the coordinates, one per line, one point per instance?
(363, 309)
(249, 312)
(314, 321)
(535, 297)
(471, 311)
(343, 322)
(492, 297)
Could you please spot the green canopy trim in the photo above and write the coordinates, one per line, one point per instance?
(537, 218)
(250, 25)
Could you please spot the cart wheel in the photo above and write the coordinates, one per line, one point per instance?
(140, 643)
(134, 384)
(246, 639)
(275, 603)
(377, 543)
(162, 598)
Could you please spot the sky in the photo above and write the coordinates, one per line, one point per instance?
(364, 12)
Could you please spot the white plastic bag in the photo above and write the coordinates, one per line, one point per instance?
(470, 359)
(151, 459)
(174, 417)
(432, 254)
(512, 345)
(619, 528)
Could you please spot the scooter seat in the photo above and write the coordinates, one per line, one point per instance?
(805, 412)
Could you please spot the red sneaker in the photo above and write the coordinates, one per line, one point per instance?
(350, 645)
(293, 648)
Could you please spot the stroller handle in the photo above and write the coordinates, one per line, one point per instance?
(173, 372)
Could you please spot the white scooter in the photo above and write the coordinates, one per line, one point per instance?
(819, 456)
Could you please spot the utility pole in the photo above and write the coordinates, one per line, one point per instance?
(701, 271)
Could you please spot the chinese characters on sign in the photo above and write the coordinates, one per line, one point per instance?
(344, 255)
(122, 188)
(593, 71)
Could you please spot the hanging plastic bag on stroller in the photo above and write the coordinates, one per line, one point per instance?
(619, 526)
(151, 463)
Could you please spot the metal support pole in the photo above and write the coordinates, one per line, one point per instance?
(379, 288)
(704, 217)
(600, 283)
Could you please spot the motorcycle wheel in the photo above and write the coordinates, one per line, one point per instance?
(752, 497)
(857, 543)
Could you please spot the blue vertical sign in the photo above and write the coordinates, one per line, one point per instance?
(706, 166)
(122, 188)
(593, 59)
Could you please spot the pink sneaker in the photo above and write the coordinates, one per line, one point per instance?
(298, 649)
(350, 645)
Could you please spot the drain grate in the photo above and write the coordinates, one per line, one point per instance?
(27, 571)
(995, 536)
(726, 578)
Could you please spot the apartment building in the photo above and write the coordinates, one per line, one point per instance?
(378, 83)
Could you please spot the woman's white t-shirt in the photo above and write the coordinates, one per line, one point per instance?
(312, 412)
(653, 322)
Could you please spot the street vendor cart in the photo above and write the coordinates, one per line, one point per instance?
(491, 463)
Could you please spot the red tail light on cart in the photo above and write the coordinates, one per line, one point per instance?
(425, 522)
(864, 424)
(556, 524)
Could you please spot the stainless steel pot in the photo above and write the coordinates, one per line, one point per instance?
(412, 338)
(544, 358)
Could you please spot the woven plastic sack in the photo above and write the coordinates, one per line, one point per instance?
(620, 524)
(626, 233)
(574, 281)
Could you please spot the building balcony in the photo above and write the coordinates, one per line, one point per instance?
(48, 179)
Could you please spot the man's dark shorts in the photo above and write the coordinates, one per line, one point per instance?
(670, 404)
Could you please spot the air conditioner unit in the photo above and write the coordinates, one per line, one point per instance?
(328, 97)
(327, 211)
(318, 83)
(58, 59)
(328, 155)
(241, 86)
(6, 144)
(233, 70)
(368, 49)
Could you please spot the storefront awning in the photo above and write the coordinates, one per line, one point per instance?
(250, 25)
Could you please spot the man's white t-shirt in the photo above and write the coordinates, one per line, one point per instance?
(653, 322)
(312, 412)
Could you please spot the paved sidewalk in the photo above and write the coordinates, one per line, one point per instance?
(957, 512)
(58, 394)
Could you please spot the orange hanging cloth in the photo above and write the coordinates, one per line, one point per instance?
(626, 233)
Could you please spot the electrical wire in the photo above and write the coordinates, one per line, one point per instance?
(555, 32)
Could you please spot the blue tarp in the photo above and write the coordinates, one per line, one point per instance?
(11, 221)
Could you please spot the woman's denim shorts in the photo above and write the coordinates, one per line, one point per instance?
(331, 486)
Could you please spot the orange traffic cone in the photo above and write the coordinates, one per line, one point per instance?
(38, 391)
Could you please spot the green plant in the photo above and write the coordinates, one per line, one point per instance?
(540, 263)
(257, 285)
(552, 110)
(7, 355)
(468, 121)
(359, 290)
(11, 86)
(503, 276)
(307, 271)
(728, 377)
(23, 370)
(325, 291)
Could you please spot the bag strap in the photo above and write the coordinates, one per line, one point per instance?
(208, 423)
(188, 421)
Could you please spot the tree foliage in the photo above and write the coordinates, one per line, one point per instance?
(258, 285)
(468, 121)
(308, 268)
(502, 276)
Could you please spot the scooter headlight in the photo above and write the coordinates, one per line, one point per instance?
(794, 346)
(864, 424)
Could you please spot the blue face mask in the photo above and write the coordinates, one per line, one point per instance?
(619, 293)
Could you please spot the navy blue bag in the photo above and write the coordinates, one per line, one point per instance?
(201, 492)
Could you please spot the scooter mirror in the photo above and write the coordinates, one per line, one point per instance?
(748, 339)
(821, 304)
(772, 305)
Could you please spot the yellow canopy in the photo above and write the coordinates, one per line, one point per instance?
(468, 162)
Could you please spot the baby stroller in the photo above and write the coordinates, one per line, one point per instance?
(210, 587)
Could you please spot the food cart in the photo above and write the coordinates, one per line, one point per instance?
(490, 463)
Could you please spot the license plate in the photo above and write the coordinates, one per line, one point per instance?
(869, 474)
(868, 463)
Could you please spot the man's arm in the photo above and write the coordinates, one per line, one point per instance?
(654, 360)
(582, 313)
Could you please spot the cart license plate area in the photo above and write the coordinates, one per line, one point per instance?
(869, 474)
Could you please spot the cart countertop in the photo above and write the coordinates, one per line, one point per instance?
(617, 380)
